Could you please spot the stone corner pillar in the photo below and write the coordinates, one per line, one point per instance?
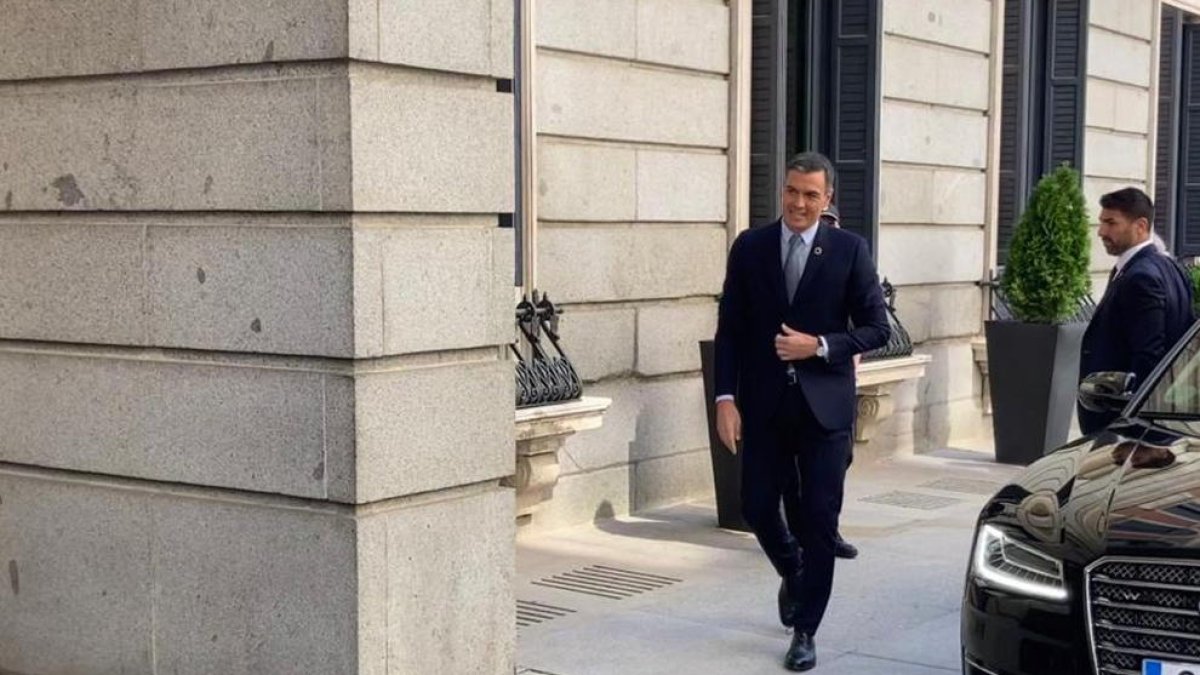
(253, 294)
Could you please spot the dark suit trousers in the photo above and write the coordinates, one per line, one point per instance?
(794, 443)
(791, 497)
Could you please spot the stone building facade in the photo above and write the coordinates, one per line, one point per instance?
(641, 193)
(257, 266)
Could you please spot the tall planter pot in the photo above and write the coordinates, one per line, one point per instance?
(727, 467)
(1033, 370)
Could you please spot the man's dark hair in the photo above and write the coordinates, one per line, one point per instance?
(1130, 201)
(812, 162)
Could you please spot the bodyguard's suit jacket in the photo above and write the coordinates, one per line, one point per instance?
(839, 287)
(1144, 312)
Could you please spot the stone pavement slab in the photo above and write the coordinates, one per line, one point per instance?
(667, 592)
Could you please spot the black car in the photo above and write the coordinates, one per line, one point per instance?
(1089, 560)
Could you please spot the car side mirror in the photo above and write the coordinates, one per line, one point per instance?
(1106, 391)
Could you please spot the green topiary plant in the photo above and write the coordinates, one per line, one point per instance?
(1046, 275)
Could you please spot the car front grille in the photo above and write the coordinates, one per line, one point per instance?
(1143, 608)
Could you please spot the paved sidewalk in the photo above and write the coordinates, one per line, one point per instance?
(668, 593)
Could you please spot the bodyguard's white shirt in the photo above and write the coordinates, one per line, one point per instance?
(1125, 257)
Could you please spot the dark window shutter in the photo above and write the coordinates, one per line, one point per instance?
(1013, 140)
(852, 94)
(1044, 95)
(768, 109)
(1167, 145)
(1066, 78)
(1188, 243)
(798, 86)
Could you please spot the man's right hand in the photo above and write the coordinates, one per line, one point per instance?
(729, 424)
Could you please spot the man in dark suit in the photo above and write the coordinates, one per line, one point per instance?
(1145, 309)
(791, 498)
(785, 381)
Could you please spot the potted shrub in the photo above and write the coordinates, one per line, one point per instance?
(726, 466)
(1033, 359)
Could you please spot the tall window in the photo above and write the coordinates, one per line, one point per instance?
(815, 85)
(770, 43)
(1044, 93)
(1177, 152)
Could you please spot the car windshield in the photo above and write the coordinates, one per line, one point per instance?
(1175, 399)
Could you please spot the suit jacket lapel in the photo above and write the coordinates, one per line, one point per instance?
(1108, 291)
(1112, 284)
(1146, 250)
(816, 257)
(773, 260)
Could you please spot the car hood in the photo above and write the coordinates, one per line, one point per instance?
(1132, 489)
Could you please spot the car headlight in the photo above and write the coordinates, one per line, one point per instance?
(1004, 562)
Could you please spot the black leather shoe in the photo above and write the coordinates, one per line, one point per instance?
(802, 655)
(787, 608)
(844, 549)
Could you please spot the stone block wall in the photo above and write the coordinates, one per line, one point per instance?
(632, 101)
(254, 298)
(934, 135)
(1117, 151)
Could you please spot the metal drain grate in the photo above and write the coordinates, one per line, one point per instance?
(912, 500)
(530, 613)
(607, 582)
(965, 485)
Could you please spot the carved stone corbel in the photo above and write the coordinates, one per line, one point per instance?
(875, 404)
(541, 432)
(979, 350)
(876, 381)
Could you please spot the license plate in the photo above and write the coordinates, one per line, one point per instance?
(1151, 667)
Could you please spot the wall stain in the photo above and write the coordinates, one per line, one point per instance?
(68, 190)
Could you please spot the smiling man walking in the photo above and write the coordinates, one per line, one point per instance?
(785, 382)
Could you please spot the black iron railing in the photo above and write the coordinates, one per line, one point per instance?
(899, 342)
(543, 376)
(1001, 311)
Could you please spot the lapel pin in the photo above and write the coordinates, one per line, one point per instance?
(817, 250)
